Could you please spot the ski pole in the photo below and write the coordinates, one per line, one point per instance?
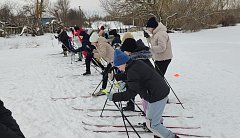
(170, 87)
(120, 105)
(97, 87)
(106, 101)
(127, 120)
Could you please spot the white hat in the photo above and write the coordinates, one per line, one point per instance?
(94, 37)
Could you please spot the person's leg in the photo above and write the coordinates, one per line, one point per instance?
(105, 76)
(64, 50)
(154, 116)
(161, 66)
(88, 62)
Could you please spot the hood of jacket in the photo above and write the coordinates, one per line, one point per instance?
(160, 27)
(144, 54)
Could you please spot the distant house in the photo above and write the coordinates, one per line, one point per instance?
(46, 19)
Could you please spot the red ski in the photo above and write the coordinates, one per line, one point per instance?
(136, 126)
(63, 98)
(119, 116)
(142, 131)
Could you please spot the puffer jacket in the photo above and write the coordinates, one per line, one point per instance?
(104, 50)
(145, 81)
(8, 125)
(161, 44)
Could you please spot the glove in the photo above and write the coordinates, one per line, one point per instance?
(109, 95)
(145, 34)
(117, 85)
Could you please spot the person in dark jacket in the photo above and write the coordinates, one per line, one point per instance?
(146, 82)
(65, 40)
(116, 40)
(137, 51)
(8, 125)
(88, 48)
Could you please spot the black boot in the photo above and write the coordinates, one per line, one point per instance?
(176, 136)
(130, 106)
(86, 73)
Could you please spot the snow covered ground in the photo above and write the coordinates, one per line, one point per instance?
(32, 72)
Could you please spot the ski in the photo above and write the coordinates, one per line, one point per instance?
(96, 110)
(136, 126)
(139, 103)
(119, 116)
(69, 98)
(142, 132)
(62, 98)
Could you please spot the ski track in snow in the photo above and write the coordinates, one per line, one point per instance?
(32, 72)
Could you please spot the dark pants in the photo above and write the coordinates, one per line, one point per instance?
(161, 66)
(105, 75)
(64, 47)
(88, 63)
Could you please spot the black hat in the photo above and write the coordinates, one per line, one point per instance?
(76, 28)
(113, 32)
(129, 45)
(152, 23)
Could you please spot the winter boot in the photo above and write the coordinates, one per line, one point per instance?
(64, 53)
(144, 126)
(100, 93)
(176, 136)
(86, 73)
(130, 106)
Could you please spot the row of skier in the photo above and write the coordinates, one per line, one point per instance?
(130, 61)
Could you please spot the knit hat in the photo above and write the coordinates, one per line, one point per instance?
(152, 23)
(129, 45)
(94, 37)
(126, 36)
(102, 28)
(113, 32)
(120, 58)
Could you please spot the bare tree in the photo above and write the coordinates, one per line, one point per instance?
(185, 14)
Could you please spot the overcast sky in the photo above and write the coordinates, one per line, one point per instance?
(86, 5)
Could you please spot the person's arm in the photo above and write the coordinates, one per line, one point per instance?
(161, 44)
(133, 88)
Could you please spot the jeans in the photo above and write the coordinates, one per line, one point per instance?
(154, 117)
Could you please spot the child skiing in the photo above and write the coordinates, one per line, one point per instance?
(145, 81)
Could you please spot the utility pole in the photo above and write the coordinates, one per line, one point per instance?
(39, 11)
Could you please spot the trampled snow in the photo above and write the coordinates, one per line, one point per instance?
(33, 71)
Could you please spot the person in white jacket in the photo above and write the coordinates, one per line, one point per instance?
(160, 45)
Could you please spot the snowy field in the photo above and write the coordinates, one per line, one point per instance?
(32, 71)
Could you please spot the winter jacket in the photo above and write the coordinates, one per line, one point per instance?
(116, 40)
(161, 44)
(140, 53)
(104, 50)
(65, 39)
(142, 80)
(8, 126)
